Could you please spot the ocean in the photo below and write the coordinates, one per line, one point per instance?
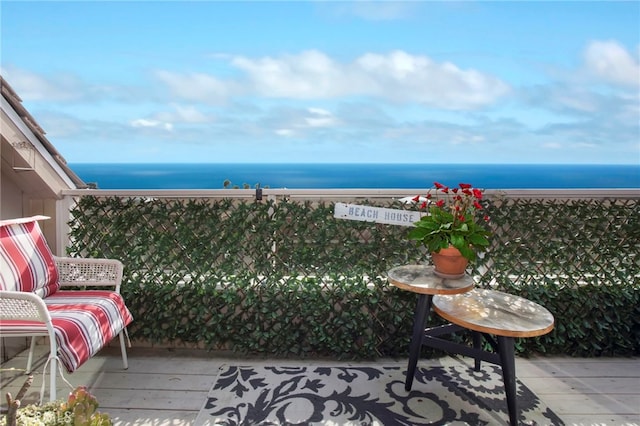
(337, 175)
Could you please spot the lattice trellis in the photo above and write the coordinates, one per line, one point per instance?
(564, 242)
(284, 276)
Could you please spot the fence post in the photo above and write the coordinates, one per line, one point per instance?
(63, 217)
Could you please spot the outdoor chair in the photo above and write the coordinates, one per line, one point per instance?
(79, 320)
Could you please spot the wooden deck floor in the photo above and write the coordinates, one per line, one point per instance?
(168, 387)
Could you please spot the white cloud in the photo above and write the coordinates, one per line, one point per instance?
(155, 124)
(397, 76)
(59, 125)
(319, 118)
(584, 145)
(381, 10)
(285, 132)
(611, 62)
(311, 74)
(302, 123)
(466, 138)
(576, 100)
(552, 145)
(403, 77)
(31, 86)
(184, 114)
(196, 86)
(68, 87)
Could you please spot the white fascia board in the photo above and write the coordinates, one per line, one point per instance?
(33, 139)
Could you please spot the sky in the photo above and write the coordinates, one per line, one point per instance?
(328, 81)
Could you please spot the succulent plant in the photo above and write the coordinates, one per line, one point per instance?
(79, 410)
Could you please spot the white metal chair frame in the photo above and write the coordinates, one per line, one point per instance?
(76, 272)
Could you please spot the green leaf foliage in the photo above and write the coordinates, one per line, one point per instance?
(284, 277)
(453, 219)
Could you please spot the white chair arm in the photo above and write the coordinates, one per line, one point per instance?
(19, 305)
(89, 272)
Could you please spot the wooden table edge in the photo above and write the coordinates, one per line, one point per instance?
(432, 291)
(496, 331)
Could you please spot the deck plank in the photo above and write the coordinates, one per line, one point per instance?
(169, 381)
(578, 404)
(140, 417)
(582, 367)
(584, 385)
(168, 387)
(150, 399)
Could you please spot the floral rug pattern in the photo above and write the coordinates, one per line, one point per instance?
(364, 395)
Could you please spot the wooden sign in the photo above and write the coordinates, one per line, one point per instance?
(376, 214)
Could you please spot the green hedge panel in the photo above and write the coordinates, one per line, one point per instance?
(284, 277)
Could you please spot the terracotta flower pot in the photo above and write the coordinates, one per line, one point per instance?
(449, 262)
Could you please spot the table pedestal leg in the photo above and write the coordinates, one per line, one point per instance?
(423, 307)
(508, 364)
(477, 344)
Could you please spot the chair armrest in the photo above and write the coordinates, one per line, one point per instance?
(75, 271)
(23, 306)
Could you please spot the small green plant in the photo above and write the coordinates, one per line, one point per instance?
(79, 410)
(452, 220)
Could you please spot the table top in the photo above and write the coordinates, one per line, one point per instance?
(495, 312)
(422, 279)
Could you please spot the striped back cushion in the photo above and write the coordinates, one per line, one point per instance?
(26, 262)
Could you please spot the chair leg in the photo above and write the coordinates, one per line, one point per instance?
(123, 349)
(32, 347)
(52, 379)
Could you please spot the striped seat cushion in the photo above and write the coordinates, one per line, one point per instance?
(26, 262)
(84, 321)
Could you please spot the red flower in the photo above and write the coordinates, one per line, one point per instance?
(416, 199)
(423, 205)
(486, 218)
(455, 216)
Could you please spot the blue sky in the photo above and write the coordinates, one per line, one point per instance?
(306, 81)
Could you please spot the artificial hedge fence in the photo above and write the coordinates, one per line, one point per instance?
(285, 278)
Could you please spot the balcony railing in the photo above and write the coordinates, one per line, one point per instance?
(273, 271)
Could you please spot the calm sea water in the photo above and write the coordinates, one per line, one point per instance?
(304, 176)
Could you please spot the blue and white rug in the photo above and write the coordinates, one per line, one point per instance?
(365, 395)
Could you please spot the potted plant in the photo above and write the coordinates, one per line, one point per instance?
(79, 409)
(453, 230)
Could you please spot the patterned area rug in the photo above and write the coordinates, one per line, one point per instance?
(365, 395)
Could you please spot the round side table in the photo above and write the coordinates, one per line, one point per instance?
(485, 313)
(422, 279)
(503, 315)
